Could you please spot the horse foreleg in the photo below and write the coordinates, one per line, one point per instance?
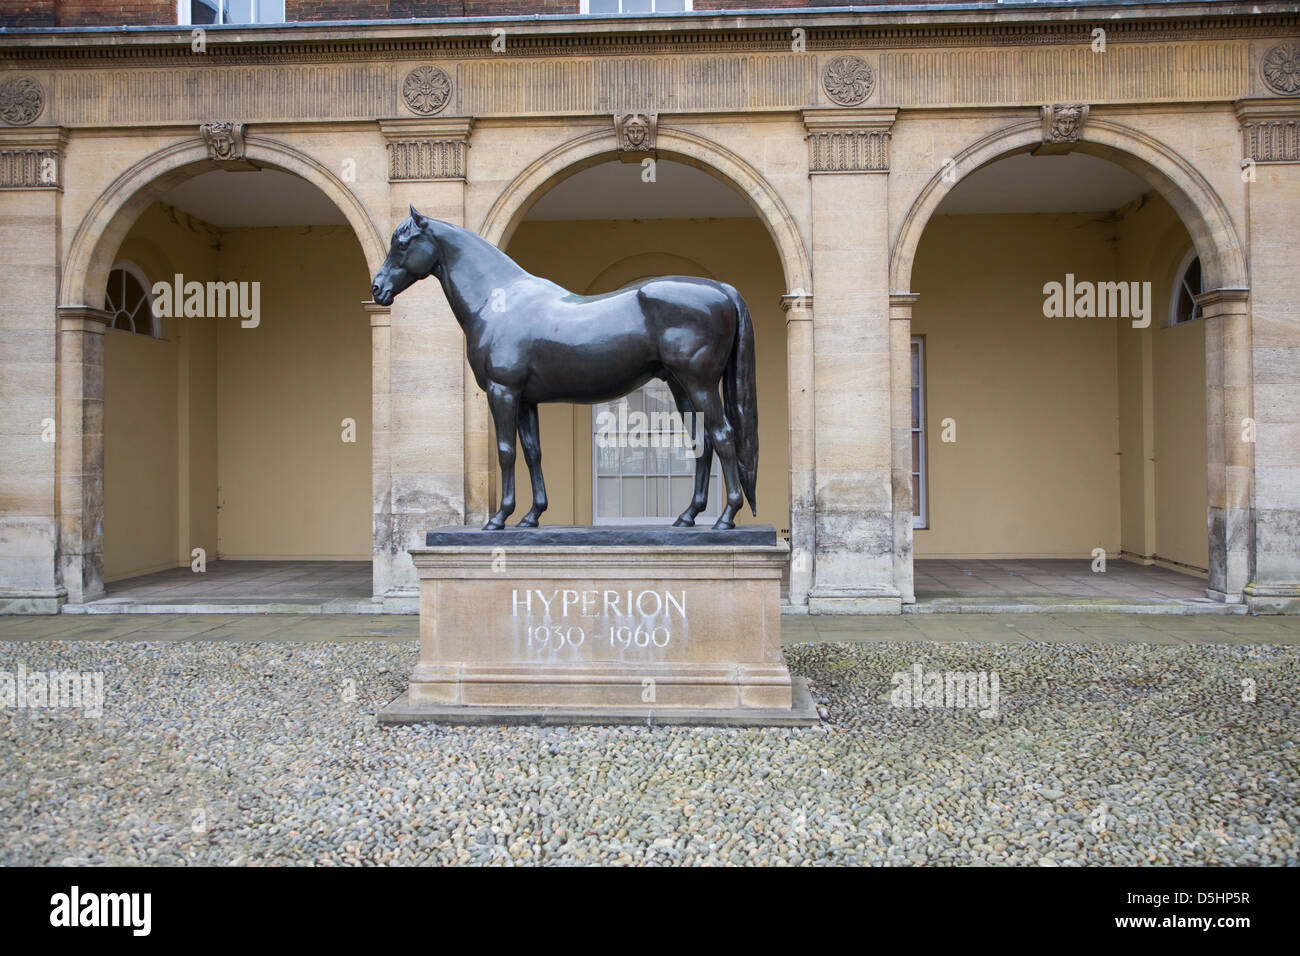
(530, 438)
(709, 402)
(703, 457)
(505, 415)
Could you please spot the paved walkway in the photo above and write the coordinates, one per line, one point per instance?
(1073, 628)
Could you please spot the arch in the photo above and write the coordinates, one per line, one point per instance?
(111, 216)
(637, 262)
(691, 149)
(1193, 198)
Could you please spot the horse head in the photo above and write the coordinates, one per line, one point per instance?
(412, 256)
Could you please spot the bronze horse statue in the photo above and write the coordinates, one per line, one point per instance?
(530, 341)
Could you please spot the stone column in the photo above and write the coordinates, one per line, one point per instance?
(81, 451)
(31, 177)
(849, 165)
(803, 449)
(1271, 135)
(381, 440)
(900, 404)
(1229, 452)
(419, 440)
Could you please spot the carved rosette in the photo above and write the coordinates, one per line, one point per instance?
(1280, 68)
(21, 100)
(426, 90)
(636, 132)
(1063, 122)
(848, 80)
(225, 141)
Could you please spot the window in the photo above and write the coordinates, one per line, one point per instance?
(1186, 288)
(643, 471)
(634, 6)
(127, 298)
(200, 12)
(920, 493)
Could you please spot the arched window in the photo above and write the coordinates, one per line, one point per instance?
(1186, 288)
(127, 298)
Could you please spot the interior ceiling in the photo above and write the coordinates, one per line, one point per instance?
(616, 191)
(1075, 182)
(267, 197)
(1022, 183)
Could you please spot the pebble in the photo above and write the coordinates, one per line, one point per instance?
(249, 754)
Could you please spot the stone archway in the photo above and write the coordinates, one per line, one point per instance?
(109, 219)
(1225, 304)
(691, 149)
(81, 323)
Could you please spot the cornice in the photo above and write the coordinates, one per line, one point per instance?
(563, 36)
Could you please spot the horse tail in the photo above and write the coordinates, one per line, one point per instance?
(740, 397)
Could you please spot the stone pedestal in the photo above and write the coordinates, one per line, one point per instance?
(602, 625)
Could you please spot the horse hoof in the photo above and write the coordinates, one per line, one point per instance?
(527, 523)
(721, 525)
(684, 523)
(494, 525)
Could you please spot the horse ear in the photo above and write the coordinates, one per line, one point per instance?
(416, 217)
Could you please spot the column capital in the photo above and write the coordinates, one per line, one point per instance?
(797, 306)
(422, 150)
(32, 158)
(1270, 130)
(1223, 302)
(900, 305)
(848, 140)
(380, 315)
(82, 318)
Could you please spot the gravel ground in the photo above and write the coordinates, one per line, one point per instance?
(270, 754)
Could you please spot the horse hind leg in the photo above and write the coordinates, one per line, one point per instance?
(530, 438)
(505, 413)
(709, 402)
(703, 457)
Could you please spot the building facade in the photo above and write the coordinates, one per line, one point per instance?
(1023, 276)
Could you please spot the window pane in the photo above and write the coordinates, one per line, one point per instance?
(607, 497)
(669, 6)
(270, 11)
(239, 11)
(603, 6)
(916, 452)
(682, 489)
(636, 6)
(633, 497)
(657, 502)
(203, 11)
(916, 495)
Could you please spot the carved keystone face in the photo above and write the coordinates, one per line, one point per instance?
(636, 131)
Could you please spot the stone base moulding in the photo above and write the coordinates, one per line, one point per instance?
(1273, 598)
(602, 625)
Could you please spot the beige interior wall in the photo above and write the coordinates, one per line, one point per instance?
(1034, 470)
(151, 517)
(1162, 407)
(597, 256)
(1072, 433)
(290, 487)
(230, 439)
